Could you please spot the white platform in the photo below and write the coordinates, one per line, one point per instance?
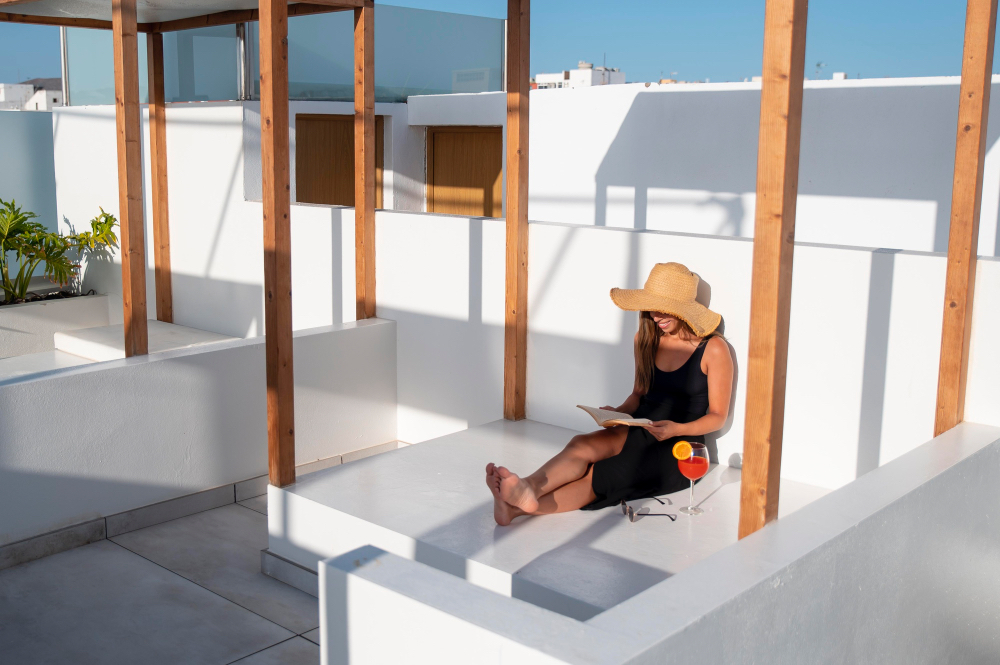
(108, 342)
(17, 367)
(429, 502)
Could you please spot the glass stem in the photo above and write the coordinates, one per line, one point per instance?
(691, 503)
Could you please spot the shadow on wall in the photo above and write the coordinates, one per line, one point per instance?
(856, 143)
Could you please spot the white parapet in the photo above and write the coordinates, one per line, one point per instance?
(898, 566)
(29, 327)
(85, 442)
(377, 607)
(108, 342)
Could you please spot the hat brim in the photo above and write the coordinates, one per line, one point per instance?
(702, 320)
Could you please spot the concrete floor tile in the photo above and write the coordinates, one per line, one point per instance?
(220, 550)
(295, 651)
(102, 604)
(312, 635)
(258, 503)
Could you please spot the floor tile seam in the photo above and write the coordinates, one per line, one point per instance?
(248, 508)
(172, 519)
(228, 600)
(233, 662)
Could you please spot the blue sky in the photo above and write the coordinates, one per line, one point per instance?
(715, 39)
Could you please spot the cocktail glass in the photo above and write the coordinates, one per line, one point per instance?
(693, 468)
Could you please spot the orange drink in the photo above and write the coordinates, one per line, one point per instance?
(693, 467)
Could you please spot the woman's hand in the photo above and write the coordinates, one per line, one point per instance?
(662, 429)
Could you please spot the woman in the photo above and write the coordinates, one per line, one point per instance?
(683, 383)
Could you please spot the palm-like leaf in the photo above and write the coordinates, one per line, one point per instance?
(35, 245)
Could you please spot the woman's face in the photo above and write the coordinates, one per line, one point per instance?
(668, 323)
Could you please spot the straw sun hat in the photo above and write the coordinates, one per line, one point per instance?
(670, 288)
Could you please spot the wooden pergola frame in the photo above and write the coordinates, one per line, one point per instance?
(273, 17)
(777, 189)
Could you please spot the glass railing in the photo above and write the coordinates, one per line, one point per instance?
(201, 65)
(198, 65)
(91, 65)
(417, 52)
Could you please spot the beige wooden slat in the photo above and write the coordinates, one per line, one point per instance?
(277, 241)
(516, 298)
(774, 236)
(128, 123)
(465, 171)
(966, 197)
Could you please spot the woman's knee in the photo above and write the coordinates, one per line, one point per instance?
(582, 446)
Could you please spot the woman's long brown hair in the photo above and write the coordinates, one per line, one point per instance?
(647, 344)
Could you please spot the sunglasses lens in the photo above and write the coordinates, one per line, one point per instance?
(624, 508)
(631, 514)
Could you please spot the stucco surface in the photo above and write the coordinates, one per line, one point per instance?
(103, 438)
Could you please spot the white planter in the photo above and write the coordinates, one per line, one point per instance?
(29, 327)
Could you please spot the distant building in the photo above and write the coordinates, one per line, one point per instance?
(31, 95)
(584, 76)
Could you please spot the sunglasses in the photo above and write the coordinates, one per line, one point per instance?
(631, 514)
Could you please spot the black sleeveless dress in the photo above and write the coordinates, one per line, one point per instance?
(646, 467)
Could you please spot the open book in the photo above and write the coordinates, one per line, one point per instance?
(606, 418)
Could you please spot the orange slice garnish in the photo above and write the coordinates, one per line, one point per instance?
(682, 450)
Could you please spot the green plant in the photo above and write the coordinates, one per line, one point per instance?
(33, 245)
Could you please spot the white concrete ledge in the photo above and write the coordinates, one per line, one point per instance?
(29, 327)
(104, 438)
(898, 566)
(433, 617)
(108, 342)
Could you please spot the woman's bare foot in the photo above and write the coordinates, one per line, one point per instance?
(503, 512)
(516, 491)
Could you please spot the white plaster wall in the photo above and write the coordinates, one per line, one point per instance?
(30, 327)
(876, 163)
(216, 234)
(863, 350)
(157, 427)
(27, 172)
(441, 278)
(898, 567)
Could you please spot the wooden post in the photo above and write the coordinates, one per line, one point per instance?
(774, 236)
(158, 164)
(516, 315)
(966, 196)
(364, 160)
(128, 122)
(277, 241)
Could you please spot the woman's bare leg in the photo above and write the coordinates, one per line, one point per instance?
(570, 465)
(571, 496)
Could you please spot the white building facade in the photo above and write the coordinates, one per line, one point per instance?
(33, 95)
(584, 76)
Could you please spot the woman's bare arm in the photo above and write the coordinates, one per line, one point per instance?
(718, 364)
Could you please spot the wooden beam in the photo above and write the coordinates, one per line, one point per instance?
(966, 197)
(364, 161)
(346, 4)
(158, 165)
(130, 200)
(234, 16)
(516, 298)
(774, 237)
(11, 3)
(55, 20)
(277, 241)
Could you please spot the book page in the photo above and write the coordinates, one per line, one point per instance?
(605, 417)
